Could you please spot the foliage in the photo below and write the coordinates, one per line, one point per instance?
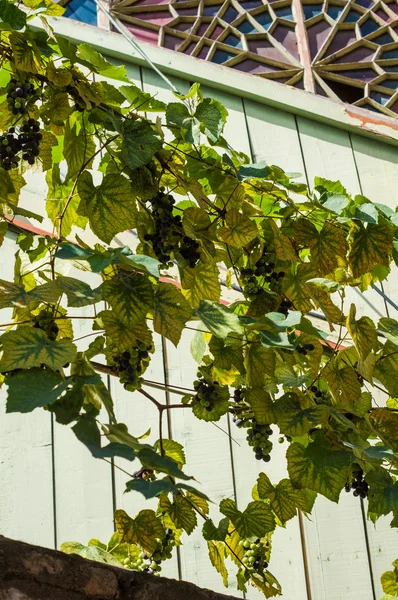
(198, 208)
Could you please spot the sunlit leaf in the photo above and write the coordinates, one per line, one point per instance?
(171, 312)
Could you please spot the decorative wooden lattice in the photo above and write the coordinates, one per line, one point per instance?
(344, 49)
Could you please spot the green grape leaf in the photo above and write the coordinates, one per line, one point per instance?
(389, 328)
(182, 514)
(152, 460)
(140, 142)
(386, 368)
(389, 581)
(151, 489)
(255, 521)
(385, 422)
(141, 262)
(363, 333)
(48, 142)
(211, 532)
(131, 298)
(343, 383)
(212, 115)
(261, 405)
(282, 497)
(178, 114)
(173, 450)
(370, 245)
(319, 467)
(28, 347)
(44, 386)
(259, 362)
(171, 312)
(78, 292)
(217, 556)
(383, 492)
(258, 170)
(141, 100)
(110, 206)
(218, 318)
(58, 201)
(87, 54)
(25, 54)
(225, 355)
(200, 283)
(79, 150)
(239, 230)
(292, 420)
(11, 15)
(13, 295)
(143, 530)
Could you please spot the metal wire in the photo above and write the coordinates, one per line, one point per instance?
(128, 36)
(386, 298)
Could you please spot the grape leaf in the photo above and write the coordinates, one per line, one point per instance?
(386, 368)
(259, 362)
(318, 467)
(130, 298)
(171, 312)
(389, 327)
(28, 347)
(143, 530)
(239, 230)
(219, 319)
(182, 514)
(369, 246)
(11, 15)
(78, 292)
(211, 532)
(383, 492)
(255, 521)
(140, 142)
(212, 115)
(293, 420)
(44, 386)
(217, 555)
(110, 206)
(327, 245)
(200, 283)
(363, 333)
(385, 422)
(88, 54)
(79, 150)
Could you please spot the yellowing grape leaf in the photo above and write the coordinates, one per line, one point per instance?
(171, 312)
(293, 420)
(28, 347)
(216, 555)
(318, 467)
(330, 310)
(131, 297)
(261, 405)
(143, 530)
(294, 287)
(110, 207)
(363, 333)
(344, 385)
(200, 283)
(219, 319)
(284, 249)
(259, 362)
(370, 246)
(182, 514)
(79, 150)
(385, 422)
(326, 245)
(239, 230)
(387, 367)
(383, 492)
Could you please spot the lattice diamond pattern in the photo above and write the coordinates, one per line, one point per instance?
(342, 49)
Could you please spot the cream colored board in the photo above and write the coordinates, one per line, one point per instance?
(378, 172)
(208, 459)
(83, 484)
(273, 136)
(377, 165)
(327, 153)
(287, 556)
(26, 473)
(336, 545)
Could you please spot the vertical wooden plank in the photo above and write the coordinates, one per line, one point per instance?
(26, 473)
(377, 165)
(208, 459)
(338, 563)
(83, 484)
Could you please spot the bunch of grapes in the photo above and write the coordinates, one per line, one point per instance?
(304, 348)
(358, 484)
(253, 279)
(320, 397)
(20, 94)
(131, 364)
(284, 307)
(30, 138)
(206, 393)
(45, 321)
(254, 558)
(25, 140)
(10, 146)
(257, 436)
(169, 236)
(151, 564)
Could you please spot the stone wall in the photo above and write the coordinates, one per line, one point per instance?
(33, 573)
